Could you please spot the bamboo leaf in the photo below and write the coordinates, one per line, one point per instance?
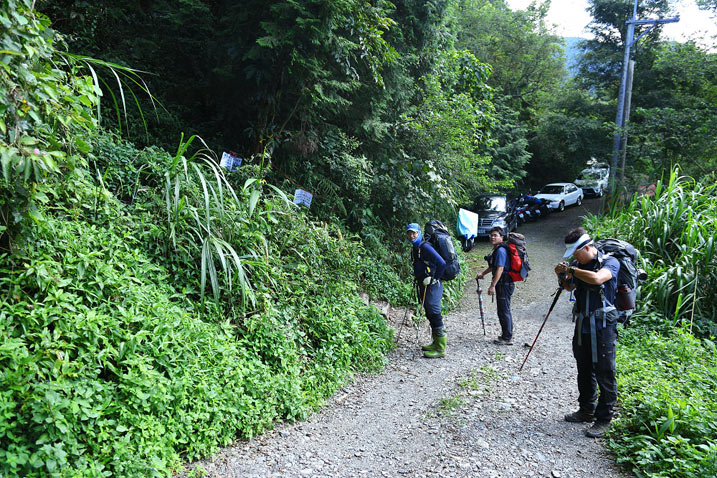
(253, 199)
(206, 195)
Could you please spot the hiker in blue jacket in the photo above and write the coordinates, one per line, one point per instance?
(593, 276)
(501, 285)
(428, 267)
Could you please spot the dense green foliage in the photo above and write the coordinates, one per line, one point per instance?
(675, 231)
(118, 369)
(44, 107)
(674, 121)
(668, 395)
(113, 359)
(667, 377)
(528, 66)
(154, 306)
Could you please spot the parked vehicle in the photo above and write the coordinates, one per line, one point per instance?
(495, 210)
(593, 181)
(561, 195)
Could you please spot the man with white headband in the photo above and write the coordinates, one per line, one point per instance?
(594, 278)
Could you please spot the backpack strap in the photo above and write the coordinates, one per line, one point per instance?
(505, 276)
(425, 263)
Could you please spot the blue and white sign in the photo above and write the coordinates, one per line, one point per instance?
(303, 198)
(229, 161)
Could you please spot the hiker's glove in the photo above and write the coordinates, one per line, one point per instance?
(427, 281)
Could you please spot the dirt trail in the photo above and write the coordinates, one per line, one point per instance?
(468, 415)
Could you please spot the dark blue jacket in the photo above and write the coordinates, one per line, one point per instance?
(427, 262)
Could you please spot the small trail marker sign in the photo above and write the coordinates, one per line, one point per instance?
(303, 198)
(230, 161)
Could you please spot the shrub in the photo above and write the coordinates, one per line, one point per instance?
(668, 418)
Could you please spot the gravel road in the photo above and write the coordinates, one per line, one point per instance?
(470, 414)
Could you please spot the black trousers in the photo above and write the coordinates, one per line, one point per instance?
(593, 375)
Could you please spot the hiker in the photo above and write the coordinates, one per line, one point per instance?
(501, 286)
(593, 276)
(428, 268)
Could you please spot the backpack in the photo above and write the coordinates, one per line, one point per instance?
(518, 264)
(629, 276)
(436, 234)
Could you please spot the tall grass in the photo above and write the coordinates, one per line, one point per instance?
(675, 232)
(667, 360)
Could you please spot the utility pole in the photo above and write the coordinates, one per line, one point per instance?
(626, 120)
(620, 137)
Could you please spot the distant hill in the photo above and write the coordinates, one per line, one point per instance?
(572, 54)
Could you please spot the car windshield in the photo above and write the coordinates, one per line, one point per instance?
(587, 175)
(490, 203)
(551, 190)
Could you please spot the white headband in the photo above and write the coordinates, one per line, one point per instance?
(583, 241)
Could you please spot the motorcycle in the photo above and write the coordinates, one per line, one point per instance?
(467, 243)
(522, 213)
(537, 207)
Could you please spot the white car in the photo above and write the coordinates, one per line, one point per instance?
(593, 181)
(561, 195)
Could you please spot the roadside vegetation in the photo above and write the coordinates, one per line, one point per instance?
(667, 360)
(154, 306)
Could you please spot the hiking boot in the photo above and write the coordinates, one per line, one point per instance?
(439, 350)
(502, 341)
(580, 416)
(598, 429)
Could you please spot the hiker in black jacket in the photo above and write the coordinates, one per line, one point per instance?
(428, 267)
(594, 278)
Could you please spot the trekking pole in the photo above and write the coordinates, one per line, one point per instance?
(403, 322)
(555, 300)
(423, 301)
(480, 304)
(405, 314)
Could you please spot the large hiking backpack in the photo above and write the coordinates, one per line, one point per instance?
(436, 233)
(629, 277)
(518, 264)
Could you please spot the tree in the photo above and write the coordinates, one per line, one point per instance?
(707, 4)
(570, 131)
(528, 65)
(600, 65)
(675, 122)
(527, 60)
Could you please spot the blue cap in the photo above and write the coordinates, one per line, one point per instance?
(413, 227)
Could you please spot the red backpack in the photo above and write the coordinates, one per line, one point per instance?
(518, 265)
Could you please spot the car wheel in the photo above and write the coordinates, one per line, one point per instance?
(579, 201)
(561, 206)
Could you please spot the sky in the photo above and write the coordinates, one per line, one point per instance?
(571, 18)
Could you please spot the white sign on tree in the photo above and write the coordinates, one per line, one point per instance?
(303, 198)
